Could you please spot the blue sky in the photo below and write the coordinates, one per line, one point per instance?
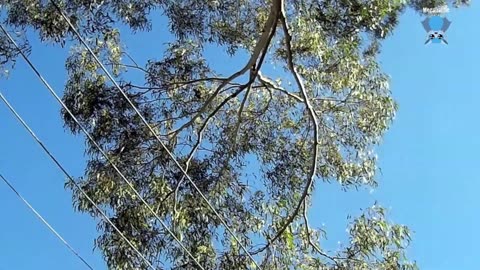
(428, 158)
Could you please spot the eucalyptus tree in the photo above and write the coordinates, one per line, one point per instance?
(317, 118)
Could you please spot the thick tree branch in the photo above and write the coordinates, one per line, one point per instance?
(253, 76)
(262, 46)
(313, 116)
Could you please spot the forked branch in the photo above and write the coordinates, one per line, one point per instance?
(313, 116)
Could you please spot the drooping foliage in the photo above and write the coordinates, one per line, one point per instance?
(317, 119)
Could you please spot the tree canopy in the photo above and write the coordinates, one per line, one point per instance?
(317, 119)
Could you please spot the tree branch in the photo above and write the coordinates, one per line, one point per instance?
(307, 227)
(261, 46)
(311, 112)
(270, 84)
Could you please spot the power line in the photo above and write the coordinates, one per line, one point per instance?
(52, 92)
(44, 221)
(172, 156)
(59, 165)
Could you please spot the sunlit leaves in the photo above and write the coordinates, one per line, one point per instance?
(377, 243)
(248, 146)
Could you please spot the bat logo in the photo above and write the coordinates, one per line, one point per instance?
(436, 27)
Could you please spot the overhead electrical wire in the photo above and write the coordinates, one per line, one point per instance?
(172, 156)
(60, 166)
(44, 221)
(89, 136)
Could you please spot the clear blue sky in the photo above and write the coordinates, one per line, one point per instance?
(429, 157)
